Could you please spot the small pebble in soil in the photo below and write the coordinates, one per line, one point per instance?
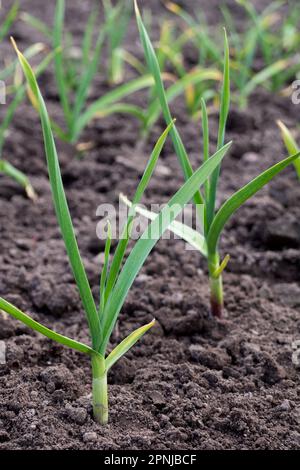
(283, 407)
(50, 387)
(90, 436)
(278, 234)
(211, 378)
(273, 372)
(250, 157)
(30, 413)
(157, 399)
(190, 270)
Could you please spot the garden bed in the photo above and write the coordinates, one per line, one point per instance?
(192, 382)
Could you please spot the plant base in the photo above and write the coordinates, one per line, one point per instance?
(100, 398)
(216, 286)
(216, 296)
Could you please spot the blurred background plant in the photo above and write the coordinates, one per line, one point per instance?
(15, 92)
(265, 53)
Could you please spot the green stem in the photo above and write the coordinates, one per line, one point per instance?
(100, 400)
(216, 285)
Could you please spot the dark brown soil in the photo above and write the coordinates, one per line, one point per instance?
(192, 383)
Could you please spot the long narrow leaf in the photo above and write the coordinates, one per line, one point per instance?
(290, 145)
(224, 108)
(203, 39)
(18, 98)
(27, 320)
(59, 60)
(126, 344)
(111, 98)
(205, 133)
(9, 19)
(31, 51)
(37, 24)
(124, 108)
(86, 79)
(241, 196)
(155, 71)
(179, 87)
(61, 207)
(264, 75)
(122, 245)
(105, 269)
(189, 235)
(88, 37)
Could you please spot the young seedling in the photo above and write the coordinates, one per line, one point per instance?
(117, 277)
(74, 76)
(290, 144)
(213, 221)
(117, 18)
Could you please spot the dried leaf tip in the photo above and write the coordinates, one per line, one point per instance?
(14, 44)
(280, 124)
(285, 132)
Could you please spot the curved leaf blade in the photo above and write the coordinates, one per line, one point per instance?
(290, 145)
(241, 196)
(9, 19)
(104, 272)
(59, 17)
(123, 108)
(126, 344)
(34, 325)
